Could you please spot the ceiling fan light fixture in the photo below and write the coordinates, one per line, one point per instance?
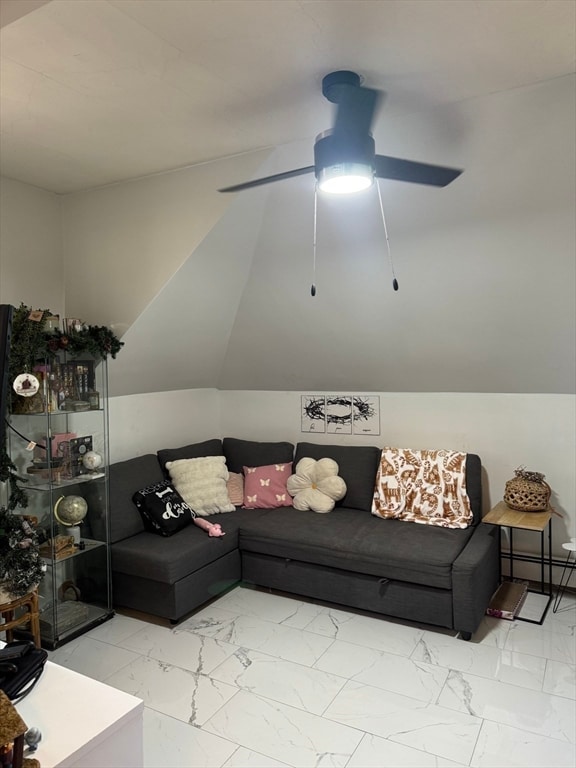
(345, 159)
(346, 178)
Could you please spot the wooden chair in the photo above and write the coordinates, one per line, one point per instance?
(19, 612)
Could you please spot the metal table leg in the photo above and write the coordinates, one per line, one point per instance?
(562, 587)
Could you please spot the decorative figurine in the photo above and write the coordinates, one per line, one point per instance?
(213, 529)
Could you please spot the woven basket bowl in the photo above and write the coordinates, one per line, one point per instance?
(526, 495)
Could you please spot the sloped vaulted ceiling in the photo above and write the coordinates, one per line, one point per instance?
(486, 269)
(99, 91)
(215, 292)
(486, 266)
(180, 339)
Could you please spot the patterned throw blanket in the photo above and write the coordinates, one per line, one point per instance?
(426, 487)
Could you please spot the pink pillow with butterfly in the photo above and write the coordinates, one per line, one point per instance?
(265, 487)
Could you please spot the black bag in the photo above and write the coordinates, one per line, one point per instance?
(20, 673)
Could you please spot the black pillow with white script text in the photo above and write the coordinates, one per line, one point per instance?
(162, 508)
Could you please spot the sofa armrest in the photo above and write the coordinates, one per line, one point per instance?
(475, 577)
(125, 478)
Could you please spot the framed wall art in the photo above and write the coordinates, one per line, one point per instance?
(340, 414)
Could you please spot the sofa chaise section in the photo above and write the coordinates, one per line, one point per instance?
(439, 576)
(166, 577)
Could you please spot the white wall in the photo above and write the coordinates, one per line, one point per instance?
(142, 424)
(123, 242)
(31, 263)
(180, 339)
(505, 430)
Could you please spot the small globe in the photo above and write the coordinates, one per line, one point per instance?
(92, 460)
(70, 510)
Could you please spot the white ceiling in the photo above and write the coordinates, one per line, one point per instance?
(99, 91)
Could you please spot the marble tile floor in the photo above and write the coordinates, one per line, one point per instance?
(259, 680)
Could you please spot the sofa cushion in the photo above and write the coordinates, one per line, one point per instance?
(357, 465)
(316, 485)
(252, 453)
(168, 560)
(162, 509)
(235, 488)
(265, 487)
(192, 451)
(125, 478)
(202, 483)
(391, 549)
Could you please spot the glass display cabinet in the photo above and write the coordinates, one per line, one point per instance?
(58, 441)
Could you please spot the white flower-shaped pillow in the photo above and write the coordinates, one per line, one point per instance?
(315, 485)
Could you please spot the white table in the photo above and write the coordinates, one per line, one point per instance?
(84, 723)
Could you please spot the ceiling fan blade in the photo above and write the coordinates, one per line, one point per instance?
(356, 109)
(417, 173)
(269, 179)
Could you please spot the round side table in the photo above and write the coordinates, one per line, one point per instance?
(568, 567)
(29, 615)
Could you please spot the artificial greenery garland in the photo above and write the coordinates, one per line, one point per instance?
(31, 342)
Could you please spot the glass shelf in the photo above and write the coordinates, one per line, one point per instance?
(90, 545)
(73, 619)
(57, 413)
(46, 485)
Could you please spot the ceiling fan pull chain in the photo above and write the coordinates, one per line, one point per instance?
(394, 281)
(313, 286)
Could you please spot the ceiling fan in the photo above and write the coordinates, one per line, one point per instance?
(345, 158)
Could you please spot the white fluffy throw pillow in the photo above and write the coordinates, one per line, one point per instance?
(202, 483)
(315, 485)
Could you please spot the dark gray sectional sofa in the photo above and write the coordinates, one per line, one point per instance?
(440, 576)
